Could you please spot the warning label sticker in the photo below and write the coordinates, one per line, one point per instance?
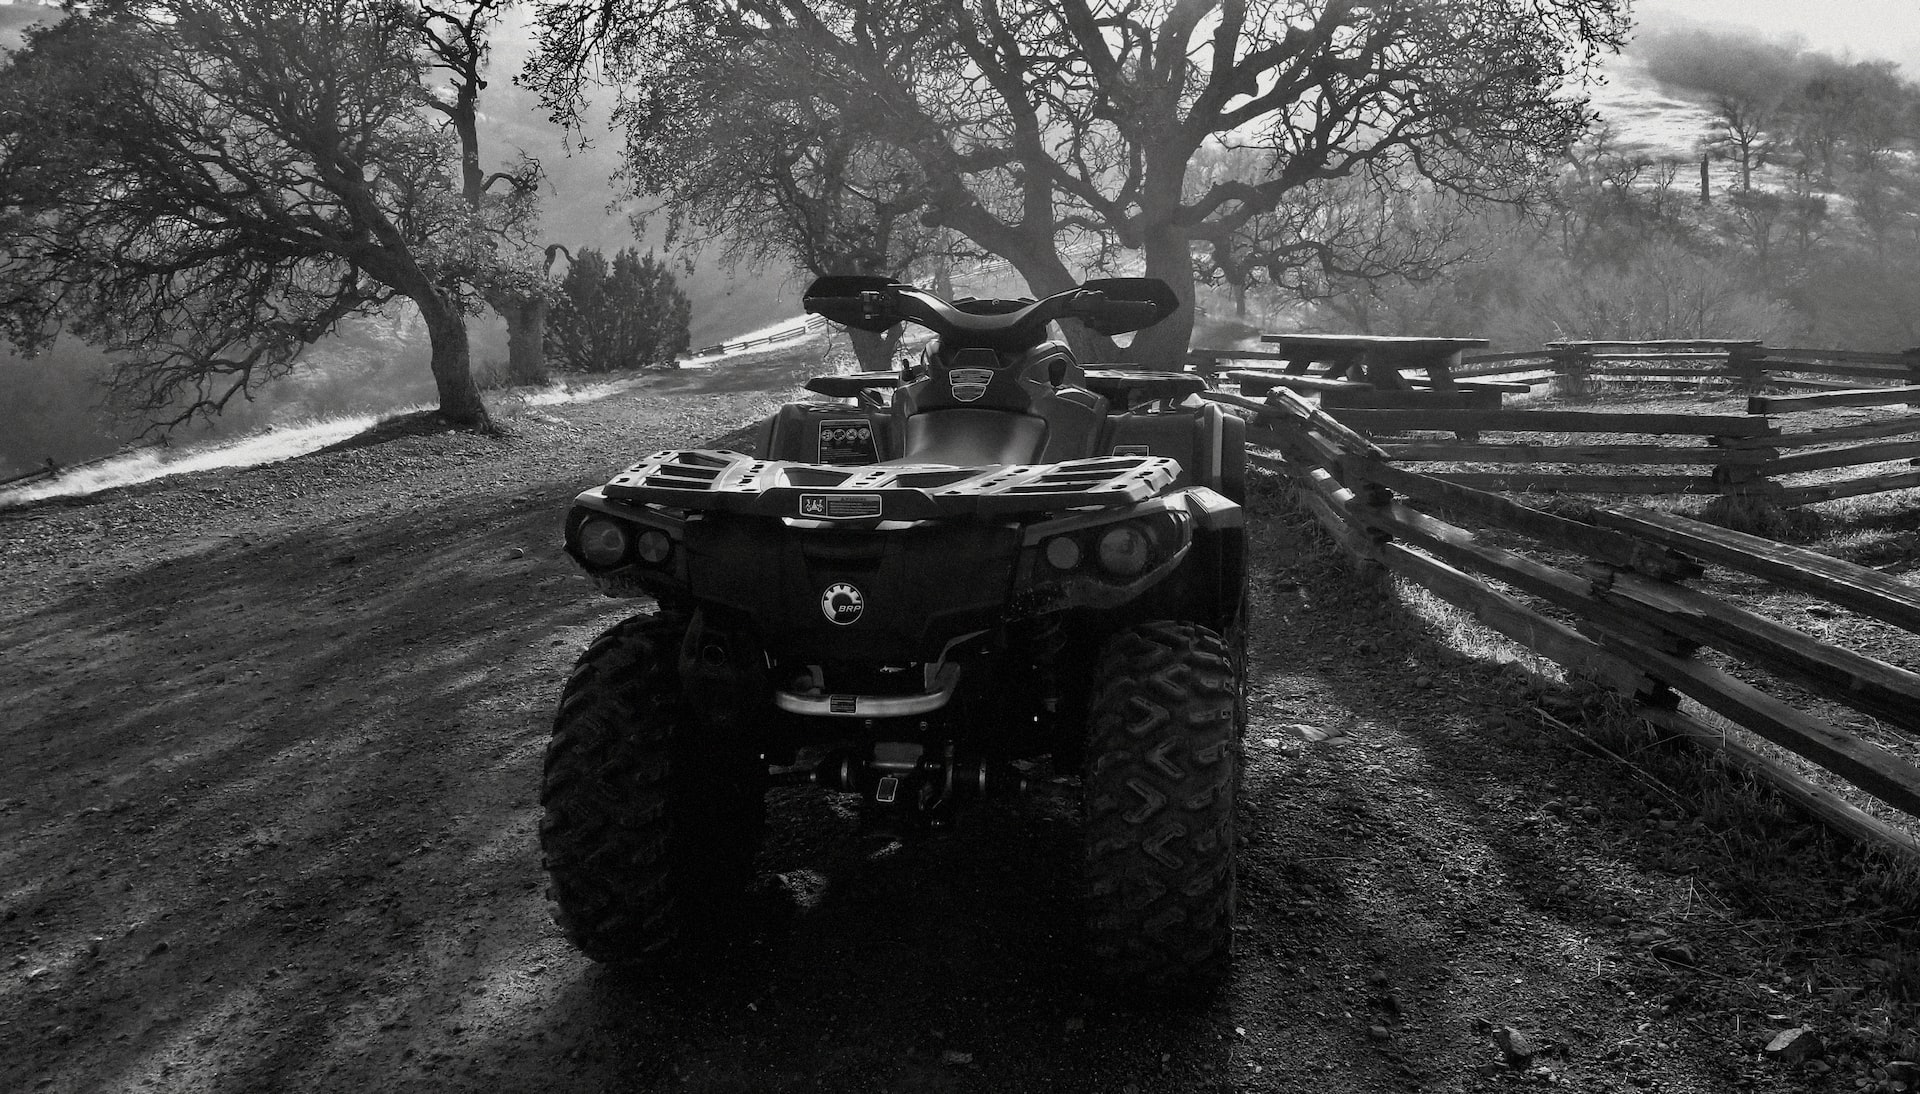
(844, 441)
(840, 506)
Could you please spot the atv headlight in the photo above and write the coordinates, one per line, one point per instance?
(1125, 551)
(1063, 552)
(655, 546)
(604, 543)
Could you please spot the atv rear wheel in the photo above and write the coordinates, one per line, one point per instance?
(1160, 776)
(649, 829)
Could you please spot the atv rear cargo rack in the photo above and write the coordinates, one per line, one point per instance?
(730, 482)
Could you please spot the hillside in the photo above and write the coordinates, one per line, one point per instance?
(16, 18)
(1646, 117)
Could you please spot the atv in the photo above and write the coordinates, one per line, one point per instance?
(990, 572)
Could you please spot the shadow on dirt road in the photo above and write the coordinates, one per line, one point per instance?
(269, 823)
(273, 826)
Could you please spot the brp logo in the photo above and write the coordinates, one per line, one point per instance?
(969, 384)
(842, 603)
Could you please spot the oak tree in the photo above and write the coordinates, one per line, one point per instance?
(515, 282)
(206, 187)
(1045, 130)
(788, 182)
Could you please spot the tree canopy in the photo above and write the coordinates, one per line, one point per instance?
(1055, 132)
(790, 184)
(205, 187)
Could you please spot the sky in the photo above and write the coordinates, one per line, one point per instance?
(1867, 30)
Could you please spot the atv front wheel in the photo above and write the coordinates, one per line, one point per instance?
(1160, 776)
(649, 830)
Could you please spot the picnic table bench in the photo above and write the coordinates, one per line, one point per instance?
(1379, 360)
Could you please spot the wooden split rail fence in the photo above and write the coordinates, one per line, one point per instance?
(1747, 458)
(807, 326)
(1606, 596)
(53, 470)
(28, 476)
(1575, 366)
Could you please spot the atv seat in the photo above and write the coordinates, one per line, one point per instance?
(975, 409)
(972, 438)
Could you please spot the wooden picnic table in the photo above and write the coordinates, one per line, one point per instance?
(1376, 359)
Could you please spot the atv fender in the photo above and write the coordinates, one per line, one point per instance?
(1219, 558)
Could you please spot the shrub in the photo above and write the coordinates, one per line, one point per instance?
(626, 314)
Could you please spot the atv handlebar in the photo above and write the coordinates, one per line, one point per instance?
(1108, 305)
(1110, 316)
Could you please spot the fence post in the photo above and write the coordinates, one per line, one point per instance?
(1913, 370)
(1622, 628)
(1367, 494)
(1571, 365)
(1749, 499)
(1744, 363)
(1318, 485)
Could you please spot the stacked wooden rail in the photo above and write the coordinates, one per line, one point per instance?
(1575, 367)
(1614, 606)
(1747, 458)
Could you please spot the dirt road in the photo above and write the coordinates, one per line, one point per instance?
(267, 823)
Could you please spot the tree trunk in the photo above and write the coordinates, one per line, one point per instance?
(1164, 345)
(460, 402)
(1031, 253)
(874, 350)
(1045, 274)
(526, 336)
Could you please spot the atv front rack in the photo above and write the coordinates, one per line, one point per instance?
(734, 483)
(1120, 385)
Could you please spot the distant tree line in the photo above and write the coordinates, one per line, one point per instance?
(1831, 120)
(1807, 231)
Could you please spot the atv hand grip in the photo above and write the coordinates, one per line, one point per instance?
(868, 311)
(1108, 315)
(829, 305)
(1134, 313)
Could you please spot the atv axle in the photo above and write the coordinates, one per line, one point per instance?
(901, 775)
